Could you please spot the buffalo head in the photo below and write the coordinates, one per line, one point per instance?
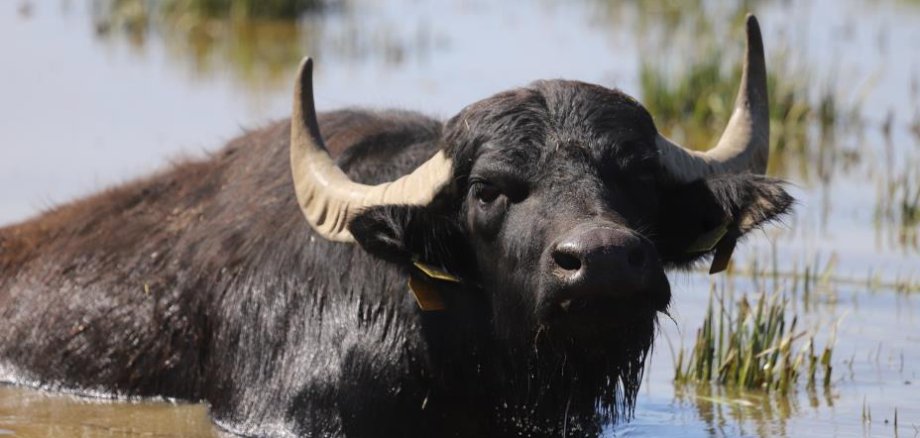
(561, 205)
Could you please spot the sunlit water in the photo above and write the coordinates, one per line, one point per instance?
(83, 107)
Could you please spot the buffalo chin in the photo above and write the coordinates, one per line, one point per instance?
(574, 381)
(584, 363)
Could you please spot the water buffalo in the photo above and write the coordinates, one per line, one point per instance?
(499, 274)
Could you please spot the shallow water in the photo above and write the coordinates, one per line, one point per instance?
(84, 105)
(876, 363)
(32, 413)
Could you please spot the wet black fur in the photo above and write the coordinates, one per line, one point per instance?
(204, 282)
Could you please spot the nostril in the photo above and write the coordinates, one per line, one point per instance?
(635, 257)
(566, 261)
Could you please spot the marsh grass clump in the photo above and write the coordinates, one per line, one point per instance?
(255, 42)
(243, 9)
(698, 101)
(753, 346)
(695, 101)
(135, 16)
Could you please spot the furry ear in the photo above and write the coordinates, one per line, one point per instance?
(707, 216)
(405, 234)
(382, 231)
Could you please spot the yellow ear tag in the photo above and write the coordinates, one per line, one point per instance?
(435, 273)
(708, 241)
(427, 297)
(723, 255)
(425, 292)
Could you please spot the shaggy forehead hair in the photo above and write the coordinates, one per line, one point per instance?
(613, 128)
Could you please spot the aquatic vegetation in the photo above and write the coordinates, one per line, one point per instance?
(260, 41)
(256, 44)
(689, 86)
(691, 105)
(139, 12)
(752, 344)
(898, 206)
(242, 9)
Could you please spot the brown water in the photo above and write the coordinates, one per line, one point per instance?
(85, 103)
(30, 413)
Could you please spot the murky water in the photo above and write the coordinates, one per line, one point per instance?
(31, 413)
(85, 103)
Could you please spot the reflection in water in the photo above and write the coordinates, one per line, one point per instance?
(729, 411)
(738, 412)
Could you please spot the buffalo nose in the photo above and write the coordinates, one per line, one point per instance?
(601, 261)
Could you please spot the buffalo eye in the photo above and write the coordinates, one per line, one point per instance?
(485, 193)
(488, 210)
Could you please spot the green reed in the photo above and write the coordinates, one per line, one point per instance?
(753, 344)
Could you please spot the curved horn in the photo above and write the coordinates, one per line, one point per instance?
(745, 143)
(327, 197)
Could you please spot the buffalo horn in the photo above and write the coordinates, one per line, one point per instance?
(745, 144)
(327, 197)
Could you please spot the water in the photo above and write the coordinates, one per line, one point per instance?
(85, 104)
(31, 413)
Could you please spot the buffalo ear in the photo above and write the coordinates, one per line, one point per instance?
(403, 234)
(381, 231)
(708, 216)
